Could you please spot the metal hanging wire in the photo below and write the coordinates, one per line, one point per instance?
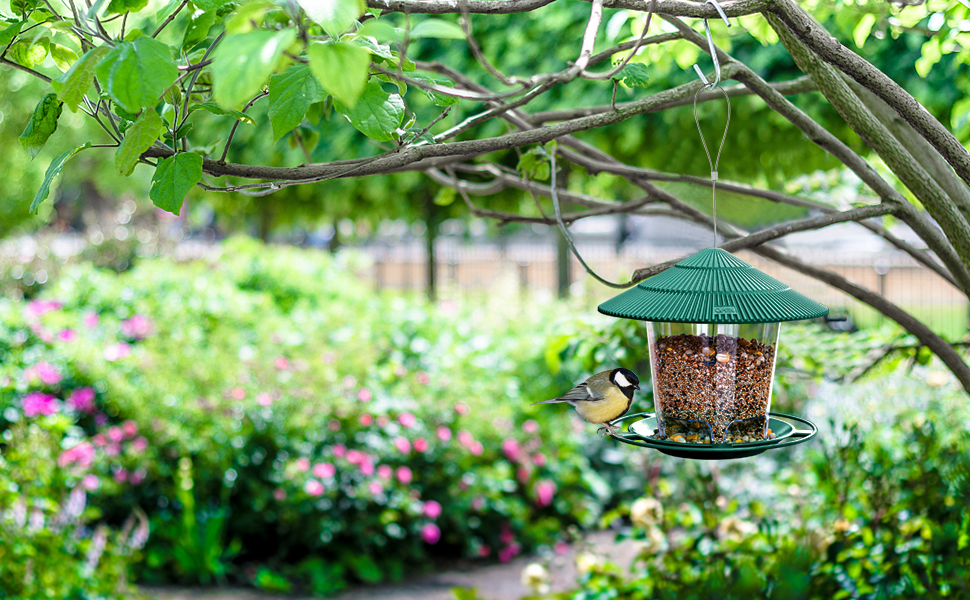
(710, 85)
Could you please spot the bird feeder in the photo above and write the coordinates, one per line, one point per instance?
(713, 325)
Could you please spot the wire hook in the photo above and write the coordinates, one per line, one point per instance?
(710, 44)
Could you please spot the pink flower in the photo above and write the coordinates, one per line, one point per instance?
(478, 503)
(382, 421)
(115, 434)
(264, 399)
(100, 419)
(465, 437)
(476, 448)
(375, 487)
(121, 475)
(113, 449)
(82, 400)
(137, 327)
(130, 429)
(506, 537)
(432, 509)
(41, 307)
(545, 490)
(339, 450)
(367, 468)
(42, 332)
(404, 475)
(484, 550)
(238, 393)
(138, 476)
(461, 408)
(522, 474)
(67, 335)
(407, 420)
(421, 444)
(45, 372)
(82, 455)
(385, 471)
(402, 444)
(314, 487)
(282, 363)
(350, 381)
(303, 464)
(355, 457)
(90, 482)
(324, 470)
(423, 378)
(509, 552)
(444, 434)
(364, 395)
(91, 319)
(560, 548)
(100, 440)
(334, 425)
(117, 351)
(430, 533)
(279, 494)
(366, 420)
(39, 403)
(139, 444)
(530, 426)
(539, 459)
(512, 450)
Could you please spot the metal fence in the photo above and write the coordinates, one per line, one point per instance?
(519, 269)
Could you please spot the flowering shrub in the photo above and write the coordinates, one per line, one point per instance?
(49, 545)
(283, 427)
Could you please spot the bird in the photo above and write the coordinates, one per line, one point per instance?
(603, 398)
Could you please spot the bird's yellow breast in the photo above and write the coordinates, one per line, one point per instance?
(613, 406)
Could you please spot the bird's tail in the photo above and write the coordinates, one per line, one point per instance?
(552, 401)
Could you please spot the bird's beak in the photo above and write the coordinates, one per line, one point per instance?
(636, 387)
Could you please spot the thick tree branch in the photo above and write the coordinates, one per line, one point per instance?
(824, 45)
(877, 137)
(441, 7)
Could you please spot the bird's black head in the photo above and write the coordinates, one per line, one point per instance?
(625, 379)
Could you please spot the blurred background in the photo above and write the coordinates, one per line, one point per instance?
(328, 390)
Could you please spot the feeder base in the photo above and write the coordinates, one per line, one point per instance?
(786, 434)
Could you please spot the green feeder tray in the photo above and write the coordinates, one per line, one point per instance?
(713, 325)
(786, 434)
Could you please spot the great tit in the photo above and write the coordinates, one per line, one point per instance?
(603, 398)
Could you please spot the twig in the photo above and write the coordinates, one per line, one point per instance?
(636, 48)
(232, 133)
(170, 18)
(11, 63)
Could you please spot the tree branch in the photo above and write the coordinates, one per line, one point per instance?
(824, 45)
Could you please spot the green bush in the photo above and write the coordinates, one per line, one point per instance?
(284, 427)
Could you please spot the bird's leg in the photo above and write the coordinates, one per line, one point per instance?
(608, 429)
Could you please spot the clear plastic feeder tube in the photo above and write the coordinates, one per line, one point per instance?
(712, 381)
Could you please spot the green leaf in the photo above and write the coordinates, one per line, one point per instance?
(379, 30)
(445, 196)
(210, 5)
(290, 95)
(437, 28)
(633, 74)
(136, 74)
(117, 7)
(341, 69)
(23, 7)
(73, 85)
(139, 137)
(212, 107)
(53, 170)
(931, 52)
(174, 177)
(435, 97)
(377, 114)
(861, 32)
(63, 57)
(198, 28)
(243, 62)
(8, 34)
(335, 16)
(29, 54)
(42, 124)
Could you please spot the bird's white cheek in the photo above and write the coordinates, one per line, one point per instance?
(622, 381)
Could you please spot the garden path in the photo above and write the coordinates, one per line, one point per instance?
(494, 582)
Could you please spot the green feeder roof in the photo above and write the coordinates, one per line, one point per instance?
(713, 286)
